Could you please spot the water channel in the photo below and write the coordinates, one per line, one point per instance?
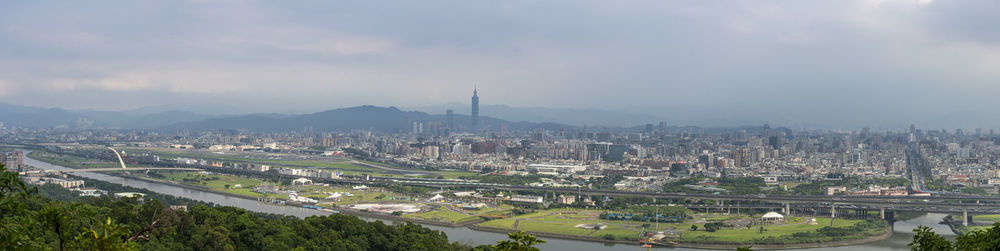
(902, 236)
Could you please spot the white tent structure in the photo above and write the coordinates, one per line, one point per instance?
(334, 196)
(302, 181)
(437, 197)
(772, 216)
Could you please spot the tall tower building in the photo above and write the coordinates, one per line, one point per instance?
(451, 120)
(475, 111)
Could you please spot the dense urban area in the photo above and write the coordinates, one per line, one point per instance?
(650, 185)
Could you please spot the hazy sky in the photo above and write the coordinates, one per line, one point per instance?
(808, 62)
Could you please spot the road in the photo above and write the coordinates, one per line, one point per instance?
(917, 168)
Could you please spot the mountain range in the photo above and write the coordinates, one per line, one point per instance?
(360, 117)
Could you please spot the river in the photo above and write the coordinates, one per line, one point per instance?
(902, 236)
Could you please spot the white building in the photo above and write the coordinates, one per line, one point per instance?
(526, 199)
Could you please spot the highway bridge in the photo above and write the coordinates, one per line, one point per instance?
(129, 169)
(121, 162)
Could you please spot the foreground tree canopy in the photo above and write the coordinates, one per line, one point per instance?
(33, 222)
(979, 240)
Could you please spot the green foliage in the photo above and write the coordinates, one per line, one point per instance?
(33, 222)
(983, 239)
(980, 240)
(678, 186)
(856, 231)
(926, 240)
(819, 187)
(519, 241)
(606, 182)
(735, 185)
(974, 190)
(741, 185)
(714, 226)
(408, 189)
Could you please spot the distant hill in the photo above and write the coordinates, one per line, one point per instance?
(28, 116)
(569, 116)
(390, 119)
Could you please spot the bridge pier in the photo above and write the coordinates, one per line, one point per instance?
(833, 210)
(881, 213)
(965, 217)
(788, 209)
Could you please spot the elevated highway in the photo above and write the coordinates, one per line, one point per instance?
(129, 169)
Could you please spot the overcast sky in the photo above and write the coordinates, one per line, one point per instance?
(855, 63)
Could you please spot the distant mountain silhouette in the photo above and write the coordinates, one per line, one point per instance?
(388, 119)
(28, 116)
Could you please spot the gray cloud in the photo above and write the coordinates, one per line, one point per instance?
(838, 63)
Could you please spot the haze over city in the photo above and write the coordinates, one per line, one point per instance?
(813, 64)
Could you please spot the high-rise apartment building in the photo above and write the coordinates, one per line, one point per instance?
(13, 161)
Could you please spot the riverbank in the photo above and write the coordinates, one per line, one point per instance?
(888, 233)
(471, 225)
(342, 210)
(885, 235)
(553, 235)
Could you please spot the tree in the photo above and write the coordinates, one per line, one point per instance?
(227, 186)
(519, 241)
(694, 227)
(926, 240)
(744, 249)
(983, 239)
(761, 230)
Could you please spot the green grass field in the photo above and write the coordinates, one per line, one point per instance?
(442, 214)
(746, 235)
(988, 217)
(564, 221)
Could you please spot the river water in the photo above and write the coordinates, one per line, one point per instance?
(902, 236)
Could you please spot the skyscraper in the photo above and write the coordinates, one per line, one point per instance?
(475, 111)
(451, 120)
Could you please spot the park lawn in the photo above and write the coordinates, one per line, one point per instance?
(747, 235)
(551, 221)
(548, 227)
(987, 217)
(723, 218)
(221, 182)
(232, 181)
(499, 223)
(618, 232)
(300, 163)
(246, 192)
(568, 219)
(442, 214)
